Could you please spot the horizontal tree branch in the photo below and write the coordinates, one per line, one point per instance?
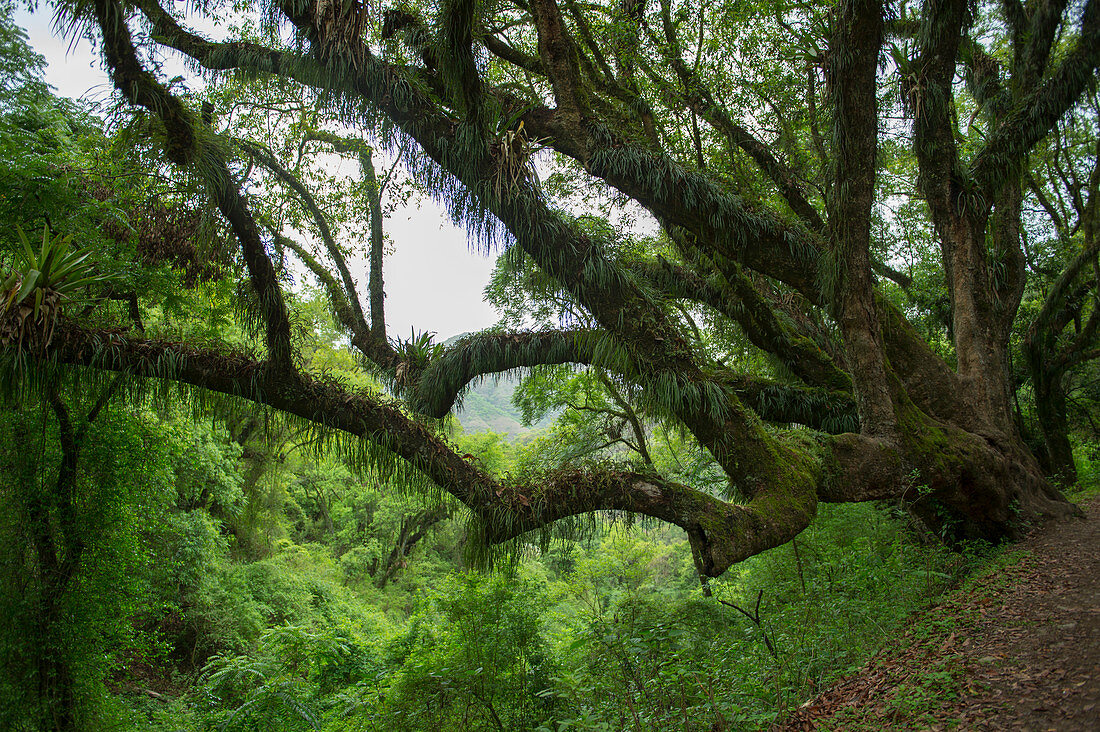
(721, 533)
(438, 387)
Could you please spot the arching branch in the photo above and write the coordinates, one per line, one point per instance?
(721, 533)
(438, 387)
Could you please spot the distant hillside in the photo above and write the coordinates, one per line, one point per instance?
(488, 406)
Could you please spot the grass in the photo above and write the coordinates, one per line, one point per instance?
(916, 682)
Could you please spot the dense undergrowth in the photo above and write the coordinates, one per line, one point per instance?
(212, 602)
(609, 633)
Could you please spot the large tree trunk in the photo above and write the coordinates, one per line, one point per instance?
(1056, 456)
(969, 486)
(969, 474)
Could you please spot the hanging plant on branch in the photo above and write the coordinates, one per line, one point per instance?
(42, 281)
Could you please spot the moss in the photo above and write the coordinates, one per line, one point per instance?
(809, 444)
(933, 447)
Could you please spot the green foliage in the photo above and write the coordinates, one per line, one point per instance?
(206, 465)
(1087, 457)
(273, 576)
(21, 68)
(54, 269)
(71, 591)
(608, 634)
(279, 686)
(642, 650)
(475, 659)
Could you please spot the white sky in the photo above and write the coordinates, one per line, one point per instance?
(433, 280)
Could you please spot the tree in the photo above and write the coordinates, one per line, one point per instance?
(755, 136)
(1061, 336)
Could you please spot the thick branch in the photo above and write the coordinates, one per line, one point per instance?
(851, 74)
(1006, 148)
(439, 386)
(559, 58)
(741, 302)
(727, 224)
(721, 533)
(927, 89)
(1031, 60)
(512, 55)
(443, 381)
(831, 412)
(183, 146)
(298, 394)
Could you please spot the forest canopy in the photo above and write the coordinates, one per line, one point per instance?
(834, 246)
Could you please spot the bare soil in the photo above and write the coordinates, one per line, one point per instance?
(1016, 649)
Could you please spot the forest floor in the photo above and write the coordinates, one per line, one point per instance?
(1016, 648)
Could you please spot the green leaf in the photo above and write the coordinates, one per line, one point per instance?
(30, 280)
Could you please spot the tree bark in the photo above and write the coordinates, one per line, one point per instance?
(1056, 457)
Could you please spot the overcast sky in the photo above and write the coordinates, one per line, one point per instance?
(434, 281)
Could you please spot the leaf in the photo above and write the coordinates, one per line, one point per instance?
(30, 279)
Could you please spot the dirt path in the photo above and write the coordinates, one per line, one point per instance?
(1018, 649)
